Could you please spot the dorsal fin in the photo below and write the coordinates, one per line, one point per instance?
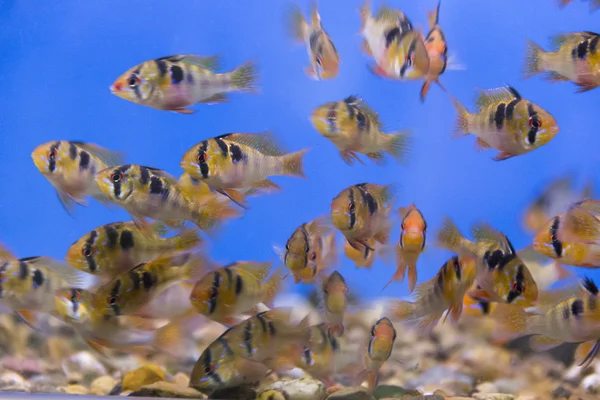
(589, 285)
(492, 96)
(358, 102)
(264, 142)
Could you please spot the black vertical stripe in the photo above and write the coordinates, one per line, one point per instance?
(72, 151)
(52, 153)
(126, 241)
(38, 278)
(510, 109)
(204, 170)
(214, 292)
(116, 185)
(499, 117)
(556, 244)
(112, 236)
(391, 35)
(84, 160)
(350, 102)
(352, 209)
(162, 67)
(144, 175)
(457, 270)
(368, 198)
(114, 297)
(90, 259)
(156, 185)
(148, 280)
(23, 270)
(566, 311)
(176, 74)
(239, 284)
(594, 44)
(332, 116)
(582, 49)
(236, 153)
(222, 146)
(577, 308)
(229, 274)
(135, 279)
(248, 336)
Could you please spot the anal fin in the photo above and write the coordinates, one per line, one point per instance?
(215, 99)
(481, 145)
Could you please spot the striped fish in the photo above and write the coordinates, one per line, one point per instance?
(506, 122)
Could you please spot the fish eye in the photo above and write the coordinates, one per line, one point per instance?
(86, 251)
(325, 290)
(351, 207)
(133, 81)
(319, 61)
(113, 300)
(117, 176)
(313, 256)
(201, 157)
(535, 122)
(52, 154)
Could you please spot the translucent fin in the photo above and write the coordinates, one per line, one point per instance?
(491, 96)
(211, 63)
(108, 157)
(462, 120)
(293, 164)
(365, 14)
(259, 270)
(533, 60)
(244, 77)
(73, 278)
(398, 144)
(215, 99)
(450, 237)
(582, 225)
(299, 27)
(543, 343)
(264, 142)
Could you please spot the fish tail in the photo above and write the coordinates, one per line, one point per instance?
(273, 286)
(398, 144)
(512, 321)
(434, 16)
(450, 236)
(329, 245)
(209, 215)
(299, 26)
(196, 268)
(292, 164)
(315, 18)
(243, 78)
(425, 325)
(533, 60)
(462, 120)
(401, 309)
(365, 14)
(372, 378)
(425, 89)
(187, 239)
(400, 269)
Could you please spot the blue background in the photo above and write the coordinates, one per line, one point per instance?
(59, 58)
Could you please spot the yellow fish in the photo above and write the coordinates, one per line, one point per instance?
(70, 167)
(335, 302)
(379, 350)
(354, 127)
(176, 82)
(240, 160)
(437, 50)
(576, 58)
(324, 57)
(506, 122)
(196, 187)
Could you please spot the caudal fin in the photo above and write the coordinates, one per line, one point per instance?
(188, 239)
(398, 145)
(243, 78)
(533, 60)
(449, 237)
(293, 164)
(462, 120)
(365, 14)
(425, 90)
(299, 26)
(208, 215)
(273, 286)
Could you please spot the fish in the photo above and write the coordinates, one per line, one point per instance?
(273, 394)
(147, 192)
(501, 274)
(196, 187)
(594, 4)
(413, 234)
(545, 271)
(437, 50)
(239, 160)
(125, 333)
(444, 292)
(174, 83)
(554, 200)
(335, 301)
(28, 285)
(361, 212)
(398, 49)
(241, 349)
(235, 289)
(575, 57)
(573, 237)
(506, 122)
(70, 166)
(119, 246)
(129, 291)
(310, 250)
(362, 257)
(378, 350)
(354, 127)
(324, 57)
(572, 320)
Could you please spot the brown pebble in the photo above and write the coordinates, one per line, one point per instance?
(146, 375)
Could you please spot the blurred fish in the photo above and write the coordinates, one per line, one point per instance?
(502, 276)
(437, 50)
(240, 160)
(506, 122)
(572, 320)
(176, 82)
(594, 4)
(354, 127)
(361, 255)
(324, 58)
(413, 234)
(235, 289)
(128, 292)
(196, 187)
(335, 302)
(576, 58)
(545, 271)
(70, 167)
(574, 236)
(116, 247)
(361, 212)
(151, 193)
(126, 333)
(28, 285)
(379, 350)
(555, 199)
(310, 250)
(399, 50)
(444, 292)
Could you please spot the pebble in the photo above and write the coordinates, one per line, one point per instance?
(493, 396)
(74, 378)
(12, 382)
(168, 390)
(146, 375)
(351, 393)
(440, 375)
(561, 393)
(591, 383)
(74, 389)
(181, 379)
(301, 389)
(103, 385)
(24, 366)
(84, 363)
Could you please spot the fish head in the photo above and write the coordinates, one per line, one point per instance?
(137, 84)
(335, 291)
(82, 254)
(298, 254)
(205, 294)
(195, 161)
(214, 369)
(414, 229)
(72, 307)
(539, 128)
(192, 185)
(417, 59)
(325, 118)
(383, 336)
(117, 183)
(53, 158)
(546, 242)
(523, 288)
(345, 210)
(535, 218)
(327, 59)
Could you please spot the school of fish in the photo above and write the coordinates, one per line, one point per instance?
(141, 285)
